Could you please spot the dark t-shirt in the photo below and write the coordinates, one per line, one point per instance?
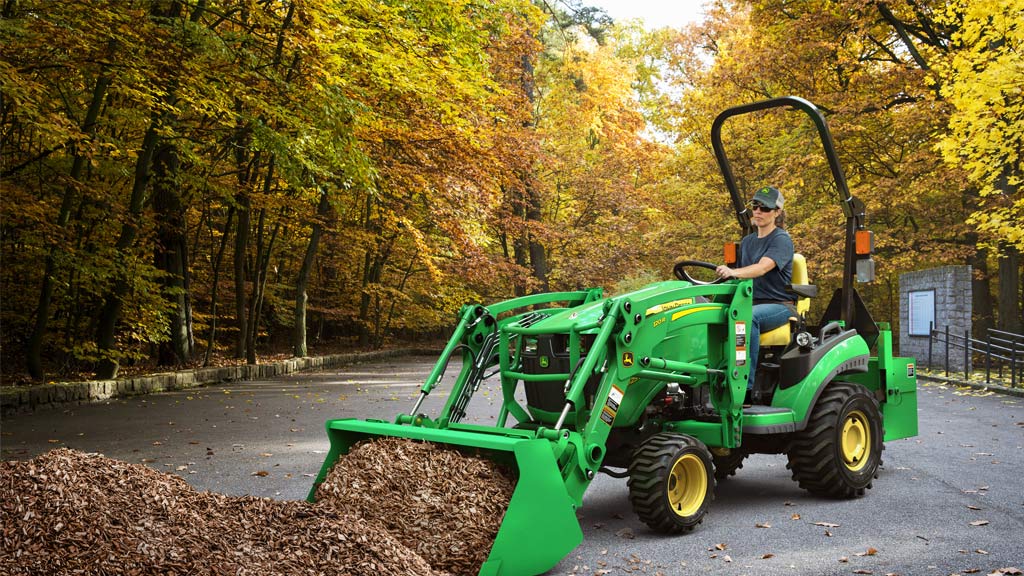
(779, 247)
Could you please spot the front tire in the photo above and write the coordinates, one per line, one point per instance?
(671, 482)
(728, 464)
(839, 452)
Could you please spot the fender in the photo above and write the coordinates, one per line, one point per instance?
(844, 354)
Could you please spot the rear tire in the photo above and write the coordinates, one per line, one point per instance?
(839, 452)
(671, 482)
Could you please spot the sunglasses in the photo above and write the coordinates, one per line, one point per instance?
(761, 208)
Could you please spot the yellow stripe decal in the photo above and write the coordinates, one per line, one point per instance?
(668, 306)
(679, 315)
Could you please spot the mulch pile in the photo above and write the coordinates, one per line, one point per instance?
(67, 512)
(447, 507)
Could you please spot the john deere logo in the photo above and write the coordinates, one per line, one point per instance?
(544, 362)
(627, 358)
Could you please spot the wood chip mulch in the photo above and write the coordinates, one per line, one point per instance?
(447, 507)
(67, 512)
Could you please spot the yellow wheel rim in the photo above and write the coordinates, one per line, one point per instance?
(856, 441)
(687, 485)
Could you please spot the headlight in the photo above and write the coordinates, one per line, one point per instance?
(804, 339)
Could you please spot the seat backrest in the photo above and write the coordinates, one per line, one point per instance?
(803, 305)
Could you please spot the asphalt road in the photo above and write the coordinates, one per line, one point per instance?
(966, 467)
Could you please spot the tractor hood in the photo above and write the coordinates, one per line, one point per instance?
(588, 314)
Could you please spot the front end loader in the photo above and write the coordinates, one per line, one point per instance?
(651, 386)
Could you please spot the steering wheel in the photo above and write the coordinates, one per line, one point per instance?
(680, 271)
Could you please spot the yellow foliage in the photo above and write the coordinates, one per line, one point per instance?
(982, 80)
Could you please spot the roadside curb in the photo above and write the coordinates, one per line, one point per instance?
(24, 399)
(1019, 392)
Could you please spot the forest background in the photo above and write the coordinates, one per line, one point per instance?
(188, 181)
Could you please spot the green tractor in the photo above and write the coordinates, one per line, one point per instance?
(651, 385)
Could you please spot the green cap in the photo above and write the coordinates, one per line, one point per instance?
(769, 196)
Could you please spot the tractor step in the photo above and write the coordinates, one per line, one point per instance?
(768, 420)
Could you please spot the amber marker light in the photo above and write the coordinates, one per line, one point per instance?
(865, 242)
(731, 253)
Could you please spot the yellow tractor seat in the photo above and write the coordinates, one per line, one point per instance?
(781, 336)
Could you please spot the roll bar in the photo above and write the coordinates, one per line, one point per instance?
(853, 208)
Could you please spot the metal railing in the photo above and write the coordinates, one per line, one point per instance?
(1000, 350)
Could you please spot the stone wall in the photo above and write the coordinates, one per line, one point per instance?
(15, 399)
(952, 289)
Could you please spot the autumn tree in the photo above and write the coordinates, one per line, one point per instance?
(980, 78)
(72, 77)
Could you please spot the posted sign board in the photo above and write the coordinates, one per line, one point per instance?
(922, 312)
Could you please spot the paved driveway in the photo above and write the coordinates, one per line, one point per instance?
(966, 467)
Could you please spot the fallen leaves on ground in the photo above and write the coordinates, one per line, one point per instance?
(626, 533)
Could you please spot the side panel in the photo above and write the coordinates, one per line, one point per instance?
(900, 407)
(894, 381)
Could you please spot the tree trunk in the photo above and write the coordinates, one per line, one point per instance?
(981, 295)
(538, 254)
(250, 348)
(113, 302)
(371, 275)
(212, 340)
(260, 285)
(364, 304)
(34, 348)
(171, 256)
(1009, 289)
(373, 269)
(302, 283)
(241, 249)
(382, 329)
(520, 251)
(533, 209)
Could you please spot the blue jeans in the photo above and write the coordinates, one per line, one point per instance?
(766, 317)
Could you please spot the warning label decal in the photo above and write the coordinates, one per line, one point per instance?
(607, 416)
(741, 343)
(614, 398)
(611, 406)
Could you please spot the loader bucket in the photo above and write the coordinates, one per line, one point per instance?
(540, 526)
